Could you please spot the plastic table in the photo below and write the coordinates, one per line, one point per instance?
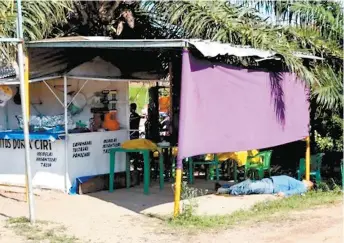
(146, 168)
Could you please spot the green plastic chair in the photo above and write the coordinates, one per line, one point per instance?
(260, 168)
(316, 161)
(342, 170)
(212, 163)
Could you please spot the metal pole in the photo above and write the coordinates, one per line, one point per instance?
(179, 165)
(308, 158)
(25, 112)
(66, 130)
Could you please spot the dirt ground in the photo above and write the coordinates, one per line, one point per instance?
(98, 221)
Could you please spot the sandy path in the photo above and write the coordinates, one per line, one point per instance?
(319, 225)
(99, 221)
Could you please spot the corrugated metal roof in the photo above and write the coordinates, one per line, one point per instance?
(106, 42)
(207, 47)
(53, 57)
(7, 72)
(58, 61)
(8, 75)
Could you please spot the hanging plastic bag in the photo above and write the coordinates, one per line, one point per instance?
(6, 94)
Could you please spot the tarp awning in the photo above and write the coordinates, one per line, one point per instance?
(229, 109)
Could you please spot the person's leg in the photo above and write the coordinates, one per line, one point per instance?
(247, 187)
(264, 186)
(241, 188)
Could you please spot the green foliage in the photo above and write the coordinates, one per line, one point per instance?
(138, 93)
(119, 19)
(189, 200)
(189, 196)
(328, 131)
(39, 18)
(313, 27)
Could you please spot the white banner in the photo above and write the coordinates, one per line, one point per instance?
(47, 163)
(88, 154)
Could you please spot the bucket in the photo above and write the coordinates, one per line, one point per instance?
(78, 104)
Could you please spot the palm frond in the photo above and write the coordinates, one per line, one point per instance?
(39, 18)
(329, 91)
(226, 22)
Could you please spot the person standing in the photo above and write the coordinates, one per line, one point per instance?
(134, 122)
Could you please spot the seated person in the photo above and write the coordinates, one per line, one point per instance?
(282, 186)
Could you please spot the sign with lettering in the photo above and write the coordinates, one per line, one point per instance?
(81, 149)
(19, 144)
(43, 149)
(46, 158)
(110, 143)
(89, 152)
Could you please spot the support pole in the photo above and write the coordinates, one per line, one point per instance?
(308, 158)
(177, 191)
(24, 106)
(65, 105)
(179, 166)
(27, 104)
(27, 87)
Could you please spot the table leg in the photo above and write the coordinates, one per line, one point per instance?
(112, 171)
(191, 168)
(235, 172)
(173, 172)
(146, 172)
(127, 170)
(217, 171)
(161, 171)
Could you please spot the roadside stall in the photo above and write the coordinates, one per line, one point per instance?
(75, 119)
(82, 82)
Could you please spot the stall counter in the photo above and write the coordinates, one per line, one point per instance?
(88, 154)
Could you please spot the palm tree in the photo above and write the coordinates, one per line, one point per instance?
(39, 18)
(318, 27)
(116, 18)
(242, 23)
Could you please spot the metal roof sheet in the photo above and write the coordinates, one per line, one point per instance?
(52, 57)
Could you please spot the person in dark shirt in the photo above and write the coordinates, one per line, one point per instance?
(134, 122)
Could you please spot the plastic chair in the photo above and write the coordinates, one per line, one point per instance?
(265, 156)
(342, 170)
(192, 163)
(316, 161)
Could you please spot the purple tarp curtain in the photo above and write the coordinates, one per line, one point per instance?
(228, 109)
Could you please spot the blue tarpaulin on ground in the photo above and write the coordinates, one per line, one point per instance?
(52, 136)
(79, 180)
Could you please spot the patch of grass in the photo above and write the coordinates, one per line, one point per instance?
(41, 231)
(262, 211)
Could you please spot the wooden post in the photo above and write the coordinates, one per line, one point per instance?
(177, 190)
(308, 158)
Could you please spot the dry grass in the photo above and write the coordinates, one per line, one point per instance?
(41, 231)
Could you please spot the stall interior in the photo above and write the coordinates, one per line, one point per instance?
(77, 116)
(98, 119)
(94, 106)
